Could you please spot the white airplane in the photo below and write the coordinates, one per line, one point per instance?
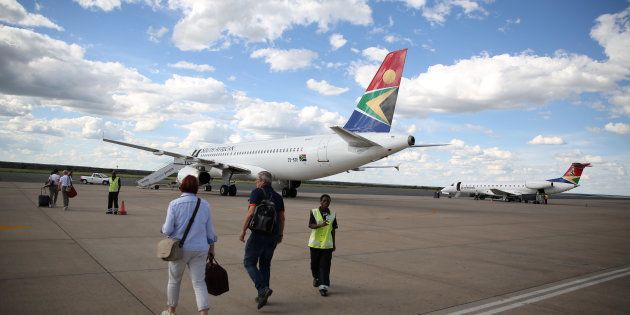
(526, 191)
(365, 138)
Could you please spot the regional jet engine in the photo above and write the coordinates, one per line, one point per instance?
(198, 171)
(538, 184)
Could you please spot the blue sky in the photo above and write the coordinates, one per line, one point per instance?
(520, 89)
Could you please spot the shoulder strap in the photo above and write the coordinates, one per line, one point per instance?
(265, 194)
(190, 222)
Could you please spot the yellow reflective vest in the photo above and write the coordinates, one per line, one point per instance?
(114, 185)
(322, 238)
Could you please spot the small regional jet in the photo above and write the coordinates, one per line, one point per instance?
(365, 138)
(529, 190)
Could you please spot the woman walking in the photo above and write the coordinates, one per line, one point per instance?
(65, 183)
(199, 243)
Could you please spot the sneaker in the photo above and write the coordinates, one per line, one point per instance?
(65, 208)
(315, 282)
(109, 211)
(167, 313)
(262, 298)
(323, 292)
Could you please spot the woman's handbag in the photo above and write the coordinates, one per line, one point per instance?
(72, 192)
(170, 249)
(216, 277)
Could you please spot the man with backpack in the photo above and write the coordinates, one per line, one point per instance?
(265, 219)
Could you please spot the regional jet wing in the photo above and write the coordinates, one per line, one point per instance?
(500, 192)
(184, 158)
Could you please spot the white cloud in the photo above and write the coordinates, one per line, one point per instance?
(192, 66)
(325, 88)
(375, 53)
(260, 119)
(41, 71)
(612, 31)
(540, 139)
(285, 60)
(508, 23)
(207, 23)
(105, 5)
(437, 13)
(337, 41)
(504, 82)
(109, 5)
(619, 128)
(156, 34)
(208, 130)
(14, 13)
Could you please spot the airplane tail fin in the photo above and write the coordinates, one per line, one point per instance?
(573, 174)
(375, 110)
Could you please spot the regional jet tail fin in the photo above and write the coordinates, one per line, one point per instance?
(375, 110)
(573, 174)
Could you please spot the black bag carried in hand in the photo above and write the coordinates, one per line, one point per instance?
(216, 277)
(264, 217)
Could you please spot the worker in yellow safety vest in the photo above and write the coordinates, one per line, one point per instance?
(112, 198)
(322, 223)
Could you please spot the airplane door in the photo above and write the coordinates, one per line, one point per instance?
(322, 150)
(458, 185)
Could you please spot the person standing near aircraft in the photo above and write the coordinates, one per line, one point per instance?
(260, 246)
(321, 243)
(65, 182)
(112, 198)
(198, 245)
(53, 182)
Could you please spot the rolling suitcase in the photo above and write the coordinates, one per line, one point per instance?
(43, 200)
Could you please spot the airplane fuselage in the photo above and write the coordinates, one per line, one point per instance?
(513, 188)
(302, 158)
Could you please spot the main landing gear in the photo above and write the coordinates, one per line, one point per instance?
(228, 190)
(289, 192)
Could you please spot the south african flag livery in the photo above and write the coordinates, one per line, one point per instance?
(572, 175)
(375, 110)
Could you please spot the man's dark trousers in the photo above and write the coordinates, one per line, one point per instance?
(320, 265)
(112, 198)
(258, 254)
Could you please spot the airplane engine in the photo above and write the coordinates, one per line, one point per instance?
(538, 184)
(202, 175)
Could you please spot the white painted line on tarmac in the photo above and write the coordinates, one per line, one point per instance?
(540, 295)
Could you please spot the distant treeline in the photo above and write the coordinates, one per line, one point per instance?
(30, 167)
(61, 167)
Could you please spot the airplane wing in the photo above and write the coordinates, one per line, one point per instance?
(500, 192)
(185, 158)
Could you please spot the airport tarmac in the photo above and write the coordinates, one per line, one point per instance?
(395, 255)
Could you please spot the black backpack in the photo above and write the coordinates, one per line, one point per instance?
(264, 217)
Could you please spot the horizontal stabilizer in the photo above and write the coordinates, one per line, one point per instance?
(429, 145)
(354, 139)
(363, 168)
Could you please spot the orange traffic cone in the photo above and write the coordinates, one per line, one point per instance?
(122, 210)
